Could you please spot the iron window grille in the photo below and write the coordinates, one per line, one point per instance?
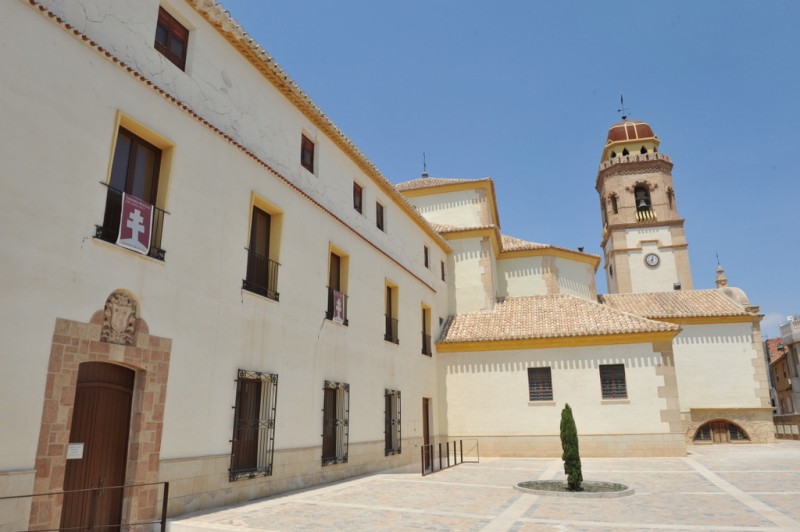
(392, 429)
(335, 422)
(253, 443)
(172, 38)
(540, 384)
(612, 381)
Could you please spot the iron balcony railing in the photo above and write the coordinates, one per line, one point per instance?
(330, 314)
(426, 344)
(391, 330)
(262, 276)
(109, 231)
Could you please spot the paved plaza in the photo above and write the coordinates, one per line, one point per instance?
(715, 487)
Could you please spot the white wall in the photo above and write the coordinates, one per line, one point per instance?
(487, 392)
(56, 145)
(463, 208)
(715, 366)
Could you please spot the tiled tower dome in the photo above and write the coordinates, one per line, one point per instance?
(626, 135)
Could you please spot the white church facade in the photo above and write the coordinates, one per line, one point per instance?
(206, 283)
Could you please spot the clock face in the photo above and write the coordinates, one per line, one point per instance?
(651, 259)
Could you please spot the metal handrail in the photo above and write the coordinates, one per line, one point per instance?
(428, 464)
(96, 492)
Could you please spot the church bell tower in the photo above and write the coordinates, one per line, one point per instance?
(644, 243)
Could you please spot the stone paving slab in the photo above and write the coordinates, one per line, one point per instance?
(716, 487)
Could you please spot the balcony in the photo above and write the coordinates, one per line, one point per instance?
(790, 331)
(262, 276)
(109, 231)
(334, 313)
(391, 330)
(426, 345)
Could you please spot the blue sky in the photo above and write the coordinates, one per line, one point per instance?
(525, 91)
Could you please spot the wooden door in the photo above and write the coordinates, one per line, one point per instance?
(101, 422)
(719, 432)
(426, 433)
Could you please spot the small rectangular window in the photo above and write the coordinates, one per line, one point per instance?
(358, 196)
(612, 381)
(425, 253)
(253, 425)
(307, 153)
(379, 216)
(442, 265)
(392, 422)
(540, 384)
(172, 38)
(335, 422)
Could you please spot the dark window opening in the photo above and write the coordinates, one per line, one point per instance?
(540, 384)
(262, 272)
(307, 153)
(720, 431)
(172, 38)
(379, 216)
(625, 152)
(358, 195)
(614, 204)
(391, 331)
(392, 422)
(671, 197)
(134, 171)
(253, 441)
(643, 150)
(442, 265)
(425, 253)
(612, 381)
(613, 154)
(335, 422)
(426, 332)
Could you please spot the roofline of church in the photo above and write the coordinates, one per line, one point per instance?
(486, 183)
(557, 342)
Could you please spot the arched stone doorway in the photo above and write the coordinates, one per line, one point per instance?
(116, 336)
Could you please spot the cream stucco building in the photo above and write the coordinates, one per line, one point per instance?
(206, 283)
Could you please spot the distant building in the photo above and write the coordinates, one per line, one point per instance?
(206, 283)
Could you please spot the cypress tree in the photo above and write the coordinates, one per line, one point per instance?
(571, 455)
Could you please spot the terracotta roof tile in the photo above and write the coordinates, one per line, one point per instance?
(553, 316)
(428, 182)
(677, 304)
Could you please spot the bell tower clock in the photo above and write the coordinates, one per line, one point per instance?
(644, 243)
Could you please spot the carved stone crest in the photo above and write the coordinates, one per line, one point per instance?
(119, 319)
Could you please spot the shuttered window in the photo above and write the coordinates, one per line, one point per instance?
(335, 422)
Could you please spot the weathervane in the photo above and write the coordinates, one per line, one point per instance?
(622, 109)
(424, 166)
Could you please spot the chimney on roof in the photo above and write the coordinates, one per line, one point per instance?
(721, 279)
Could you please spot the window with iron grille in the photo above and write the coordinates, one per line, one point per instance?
(307, 153)
(172, 38)
(253, 441)
(540, 384)
(612, 381)
(392, 423)
(335, 422)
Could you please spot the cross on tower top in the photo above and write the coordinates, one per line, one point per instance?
(622, 109)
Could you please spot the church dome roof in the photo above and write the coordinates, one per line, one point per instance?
(628, 130)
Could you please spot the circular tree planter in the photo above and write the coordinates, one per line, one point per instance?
(590, 489)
